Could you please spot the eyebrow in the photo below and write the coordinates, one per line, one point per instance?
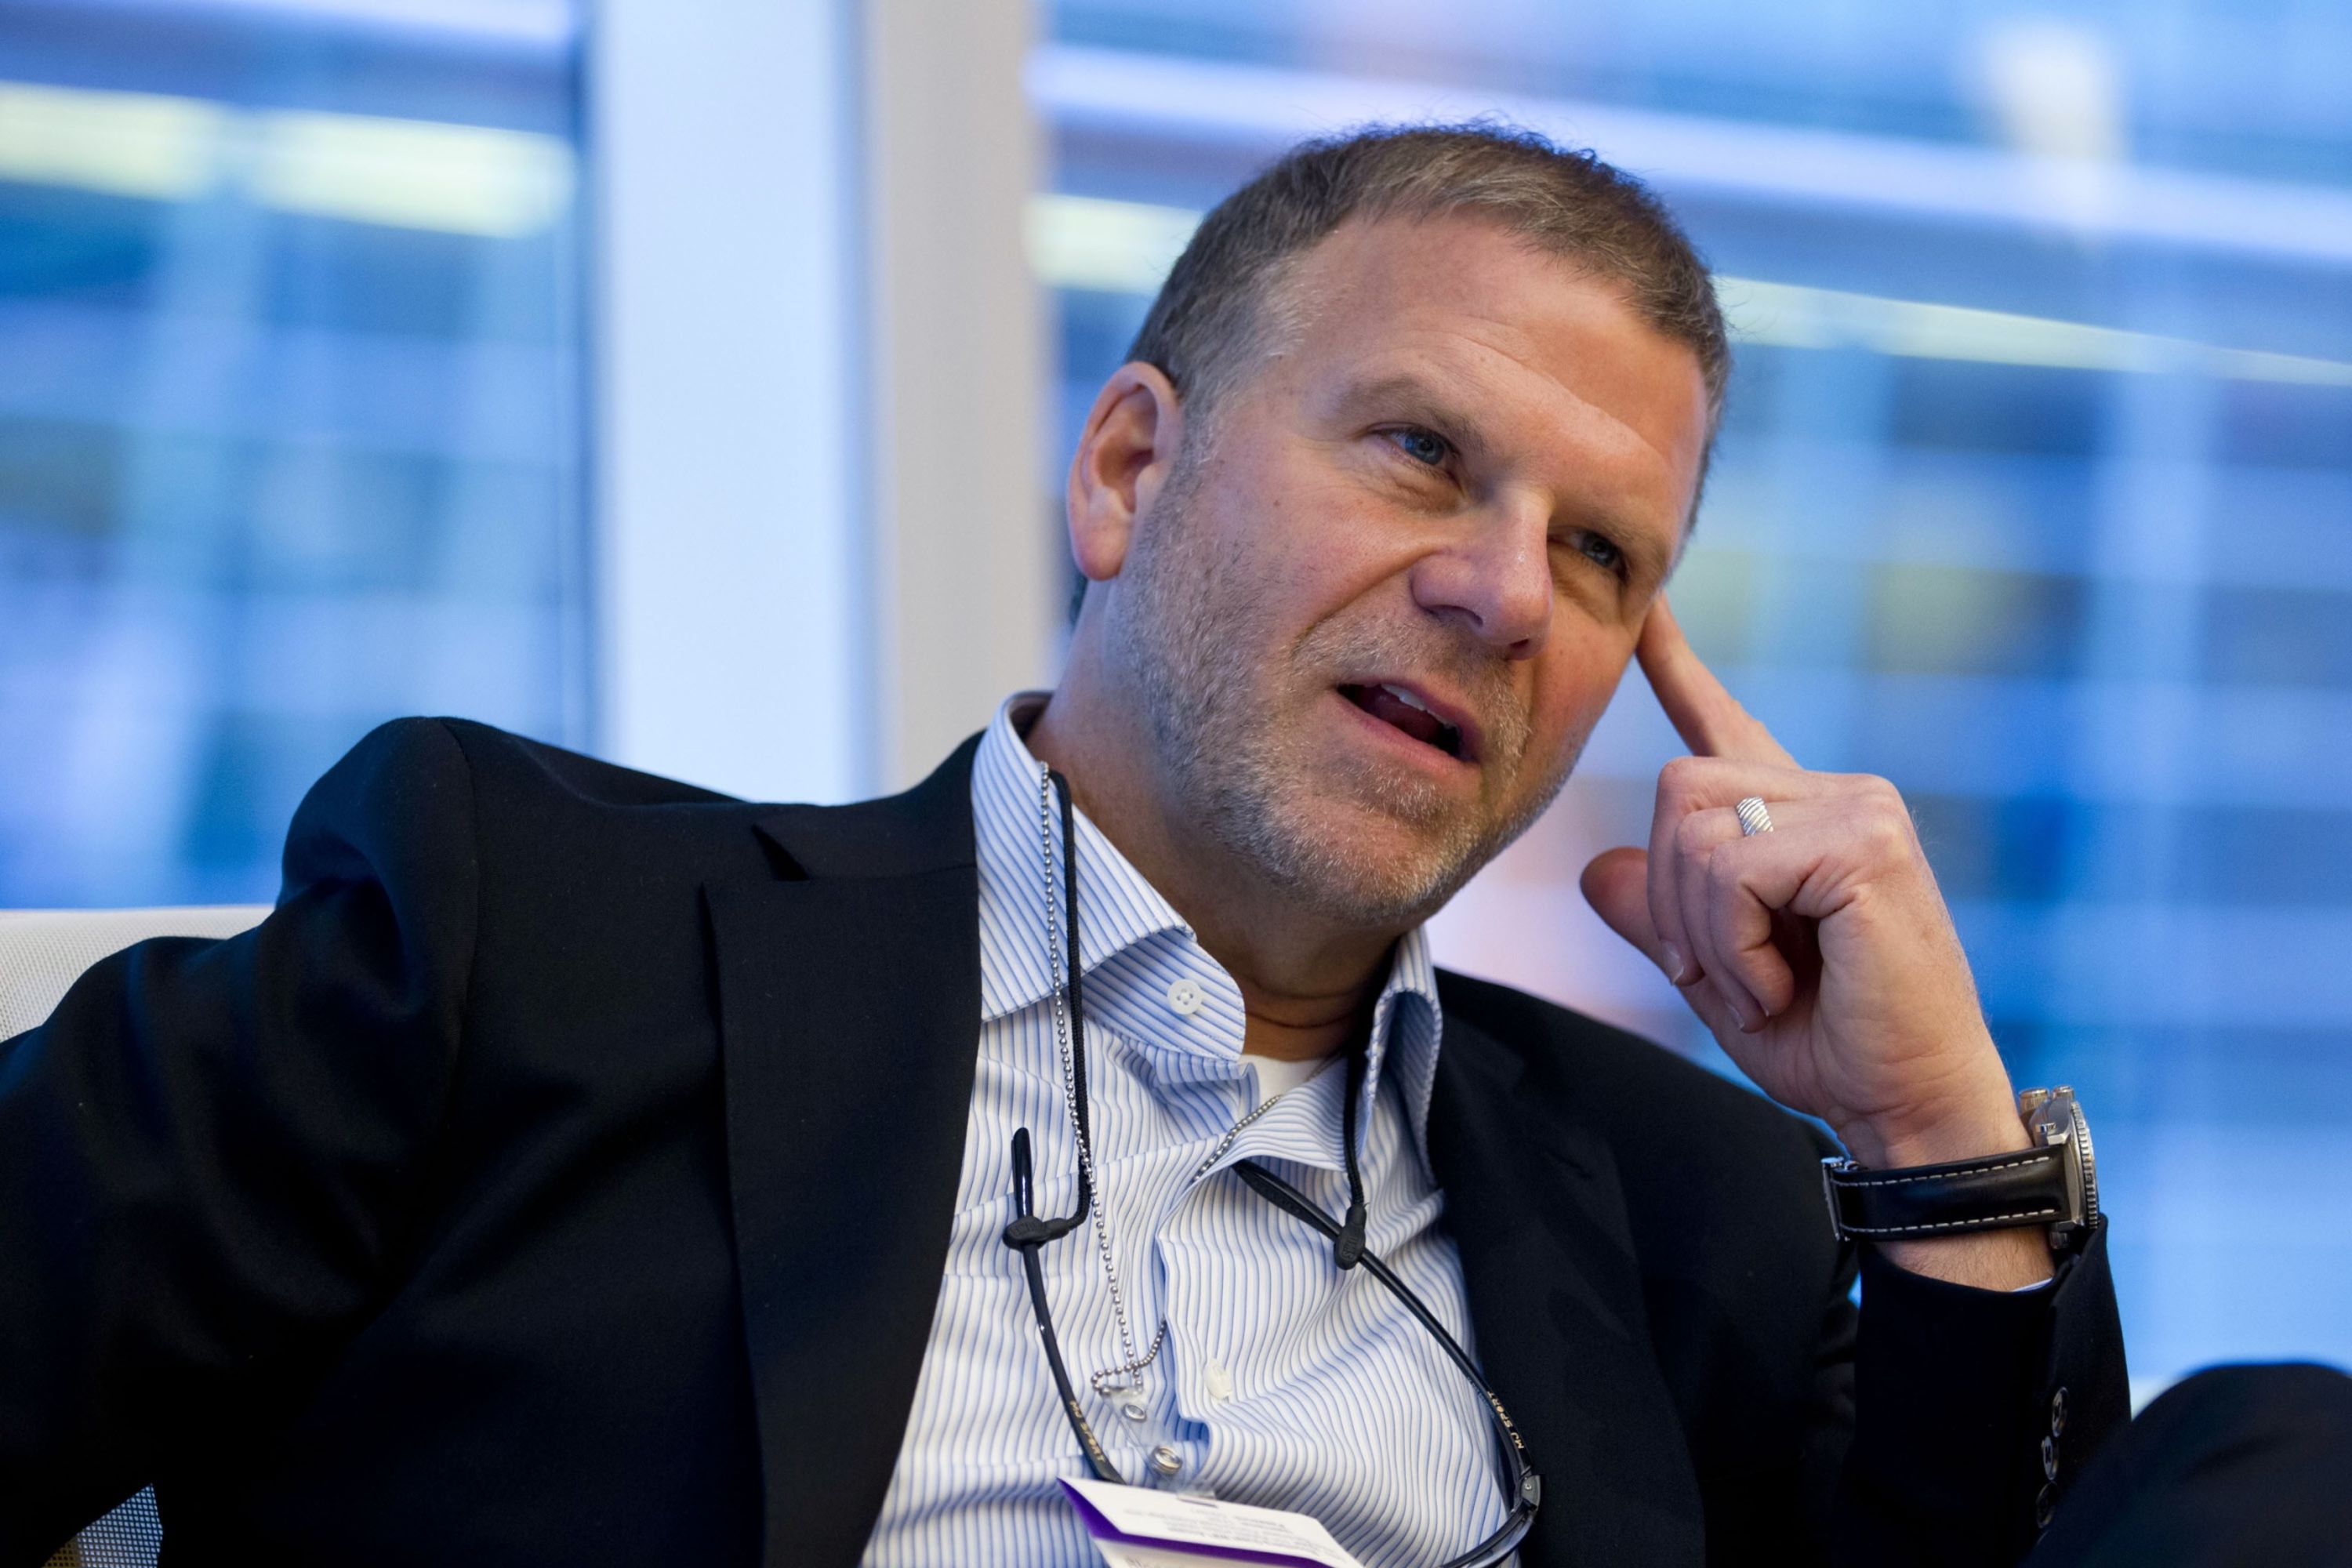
(1650, 563)
(1411, 397)
(1414, 398)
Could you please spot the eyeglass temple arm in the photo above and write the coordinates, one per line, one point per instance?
(1025, 1235)
(1348, 1241)
(1027, 1227)
(1289, 1198)
(1525, 1483)
(1075, 986)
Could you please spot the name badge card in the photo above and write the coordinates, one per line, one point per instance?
(1133, 1528)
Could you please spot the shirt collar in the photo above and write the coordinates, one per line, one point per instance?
(1119, 909)
(1407, 1025)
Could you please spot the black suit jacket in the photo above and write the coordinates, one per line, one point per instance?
(561, 1175)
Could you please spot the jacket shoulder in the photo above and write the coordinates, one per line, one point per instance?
(550, 816)
(406, 761)
(473, 818)
(499, 757)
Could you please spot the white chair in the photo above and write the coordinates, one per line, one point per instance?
(42, 952)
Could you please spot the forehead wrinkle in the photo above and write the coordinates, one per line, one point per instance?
(1560, 427)
(1523, 359)
(1456, 287)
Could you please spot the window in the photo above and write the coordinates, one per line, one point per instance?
(290, 424)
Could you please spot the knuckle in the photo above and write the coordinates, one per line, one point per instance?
(1888, 838)
(1881, 794)
(1690, 836)
(1884, 817)
(1696, 859)
(1679, 779)
(1723, 875)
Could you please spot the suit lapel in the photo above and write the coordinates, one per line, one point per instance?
(849, 1005)
(1533, 1203)
(848, 992)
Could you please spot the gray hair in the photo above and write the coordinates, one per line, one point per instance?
(1217, 309)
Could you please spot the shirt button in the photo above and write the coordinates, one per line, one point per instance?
(1166, 1461)
(2058, 1413)
(1187, 997)
(1219, 1381)
(2049, 1459)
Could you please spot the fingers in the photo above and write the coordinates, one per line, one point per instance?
(1616, 885)
(1698, 855)
(1720, 904)
(1726, 890)
(1747, 881)
(1710, 719)
(1686, 787)
(1733, 948)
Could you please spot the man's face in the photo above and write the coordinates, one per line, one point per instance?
(1375, 613)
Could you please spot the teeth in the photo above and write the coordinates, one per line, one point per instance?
(1407, 698)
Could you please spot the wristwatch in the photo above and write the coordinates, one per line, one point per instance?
(2054, 1182)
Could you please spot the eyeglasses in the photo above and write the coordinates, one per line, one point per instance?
(1027, 1234)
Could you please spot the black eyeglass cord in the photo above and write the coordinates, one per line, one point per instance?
(1027, 1233)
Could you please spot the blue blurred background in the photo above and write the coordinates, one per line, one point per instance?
(2035, 493)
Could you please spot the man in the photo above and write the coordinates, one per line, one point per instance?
(579, 1167)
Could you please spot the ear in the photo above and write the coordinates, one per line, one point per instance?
(1125, 454)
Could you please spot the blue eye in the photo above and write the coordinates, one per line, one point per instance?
(1421, 447)
(1602, 551)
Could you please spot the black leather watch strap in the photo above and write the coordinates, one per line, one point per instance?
(1993, 1192)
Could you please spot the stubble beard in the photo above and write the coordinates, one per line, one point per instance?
(1244, 777)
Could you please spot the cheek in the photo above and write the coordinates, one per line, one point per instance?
(1298, 553)
(1579, 674)
(1313, 527)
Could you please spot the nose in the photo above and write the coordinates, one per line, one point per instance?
(1493, 579)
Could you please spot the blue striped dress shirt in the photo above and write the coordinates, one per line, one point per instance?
(1283, 1382)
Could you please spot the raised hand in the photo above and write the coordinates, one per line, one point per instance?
(1820, 953)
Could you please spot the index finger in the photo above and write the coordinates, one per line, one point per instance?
(1710, 719)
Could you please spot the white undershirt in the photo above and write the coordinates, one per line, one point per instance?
(1277, 1075)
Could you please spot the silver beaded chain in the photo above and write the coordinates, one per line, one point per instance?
(1128, 1376)
(1062, 1035)
(1127, 1379)
(1217, 1153)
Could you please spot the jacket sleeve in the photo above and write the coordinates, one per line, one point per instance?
(207, 1153)
(1951, 1393)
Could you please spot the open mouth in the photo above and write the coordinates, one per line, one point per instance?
(1395, 706)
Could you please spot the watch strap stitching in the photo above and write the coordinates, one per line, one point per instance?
(2037, 1157)
(1980, 1220)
